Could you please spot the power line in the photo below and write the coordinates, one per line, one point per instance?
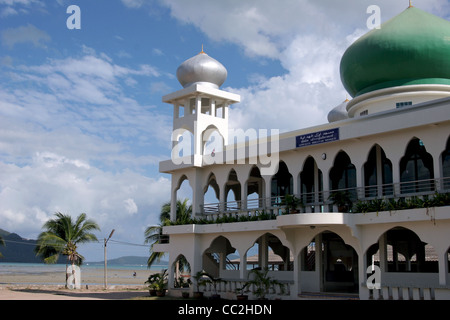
(129, 243)
(111, 240)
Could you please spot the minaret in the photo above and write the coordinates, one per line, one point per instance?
(200, 107)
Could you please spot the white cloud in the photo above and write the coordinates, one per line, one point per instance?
(31, 194)
(24, 34)
(133, 3)
(70, 139)
(307, 37)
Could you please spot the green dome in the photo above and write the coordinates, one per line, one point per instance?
(411, 48)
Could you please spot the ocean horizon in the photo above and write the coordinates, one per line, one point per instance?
(33, 268)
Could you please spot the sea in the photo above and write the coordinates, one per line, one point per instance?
(41, 268)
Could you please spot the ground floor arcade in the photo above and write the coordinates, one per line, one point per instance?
(321, 253)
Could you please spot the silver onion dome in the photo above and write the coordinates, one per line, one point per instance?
(202, 69)
(338, 113)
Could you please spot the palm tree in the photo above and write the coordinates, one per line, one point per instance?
(2, 243)
(153, 233)
(62, 236)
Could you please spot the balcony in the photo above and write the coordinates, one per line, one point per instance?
(397, 196)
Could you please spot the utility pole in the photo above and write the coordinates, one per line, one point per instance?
(105, 271)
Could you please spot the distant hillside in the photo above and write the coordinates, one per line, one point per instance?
(18, 249)
(127, 260)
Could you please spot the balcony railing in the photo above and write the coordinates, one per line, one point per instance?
(321, 202)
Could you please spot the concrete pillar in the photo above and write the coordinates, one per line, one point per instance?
(263, 252)
(382, 246)
(443, 269)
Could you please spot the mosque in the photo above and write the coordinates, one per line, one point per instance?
(356, 208)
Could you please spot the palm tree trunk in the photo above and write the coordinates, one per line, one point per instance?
(67, 277)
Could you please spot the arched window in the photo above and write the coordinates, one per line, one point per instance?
(255, 189)
(211, 195)
(311, 181)
(416, 168)
(343, 173)
(446, 166)
(282, 183)
(233, 192)
(378, 174)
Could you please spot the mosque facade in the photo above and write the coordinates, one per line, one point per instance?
(356, 208)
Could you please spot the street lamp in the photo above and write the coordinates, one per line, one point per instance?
(106, 241)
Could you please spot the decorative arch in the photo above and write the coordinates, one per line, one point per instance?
(215, 256)
(268, 251)
(255, 188)
(377, 173)
(232, 191)
(212, 141)
(403, 251)
(181, 270)
(211, 189)
(445, 162)
(311, 181)
(416, 168)
(343, 172)
(282, 181)
(333, 261)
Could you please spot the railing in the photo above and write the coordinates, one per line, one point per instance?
(230, 287)
(320, 201)
(402, 293)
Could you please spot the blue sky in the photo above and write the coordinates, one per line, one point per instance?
(82, 125)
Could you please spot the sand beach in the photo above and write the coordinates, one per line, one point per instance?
(49, 285)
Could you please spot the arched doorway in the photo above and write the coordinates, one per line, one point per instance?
(181, 270)
(269, 252)
(402, 251)
(216, 257)
(338, 264)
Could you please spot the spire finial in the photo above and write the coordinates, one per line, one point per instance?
(410, 4)
(202, 49)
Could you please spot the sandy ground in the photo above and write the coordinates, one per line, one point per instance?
(121, 284)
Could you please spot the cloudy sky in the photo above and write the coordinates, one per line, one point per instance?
(82, 125)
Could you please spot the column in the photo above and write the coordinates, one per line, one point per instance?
(443, 269)
(268, 191)
(379, 165)
(213, 107)
(263, 252)
(244, 196)
(382, 246)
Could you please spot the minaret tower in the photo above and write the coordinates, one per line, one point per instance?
(200, 107)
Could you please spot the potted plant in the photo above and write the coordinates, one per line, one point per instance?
(214, 283)
(200, 280)
(261, 283)
(151, 284)
(292, 203)
(342, 199)
(240, 293)
(157, 283)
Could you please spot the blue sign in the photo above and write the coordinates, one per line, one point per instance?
(317, 137)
